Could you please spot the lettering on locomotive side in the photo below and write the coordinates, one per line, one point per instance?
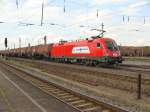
(81, 50)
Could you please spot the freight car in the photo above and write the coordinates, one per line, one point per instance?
(90, 51)
(135, 51)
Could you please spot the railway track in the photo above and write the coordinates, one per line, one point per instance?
(125, 67)
(43, 64)
(128, 67)
(92, 77)
(135, 68)
(76, 100)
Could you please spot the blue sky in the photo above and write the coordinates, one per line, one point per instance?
(67, 25)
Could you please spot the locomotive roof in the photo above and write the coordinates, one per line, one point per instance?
(85, 41)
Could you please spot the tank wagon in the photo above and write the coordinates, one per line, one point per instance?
(135, 51)
(90, 51)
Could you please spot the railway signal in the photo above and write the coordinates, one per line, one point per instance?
(6, 43)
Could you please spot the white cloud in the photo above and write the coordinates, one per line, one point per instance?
(134, 8)
(32, 3)
(103, 2)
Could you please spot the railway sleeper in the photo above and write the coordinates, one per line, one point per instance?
(72, 99)
(77, 102)
(45, 86)
(93, 109)
(62, 94)
(59, 92)
(67, 96)
(106, 110)
(84, 104)
(56, 92)
(87, 106)
(52, 90)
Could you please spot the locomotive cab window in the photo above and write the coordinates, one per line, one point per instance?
(111, 45)
(99, 45)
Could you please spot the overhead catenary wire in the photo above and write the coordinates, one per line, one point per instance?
(75, 3)
(95, 18)
(65, 11)
(36, 12)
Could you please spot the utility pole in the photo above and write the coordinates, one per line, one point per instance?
(97, 13)
(29, 45)
(45, 40)
(123, 19)
(42, 13)
(142, 52)
(19, 42)
(144, 20)
(64, 6)
(128, 19)
(20, 46)
(17, 4)
(14, 46)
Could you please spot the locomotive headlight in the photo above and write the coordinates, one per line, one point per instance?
(106, 54)
(119, 53)
(115, 54)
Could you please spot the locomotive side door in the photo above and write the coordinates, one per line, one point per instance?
(99, 49)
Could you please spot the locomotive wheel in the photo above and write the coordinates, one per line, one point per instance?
(95, 63)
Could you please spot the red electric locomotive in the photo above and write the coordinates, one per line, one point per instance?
(90, 51)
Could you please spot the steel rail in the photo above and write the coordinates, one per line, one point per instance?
(76, 100)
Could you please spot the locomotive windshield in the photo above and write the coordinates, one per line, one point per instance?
(111, 45)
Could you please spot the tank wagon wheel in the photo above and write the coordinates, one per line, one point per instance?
(86, 63)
